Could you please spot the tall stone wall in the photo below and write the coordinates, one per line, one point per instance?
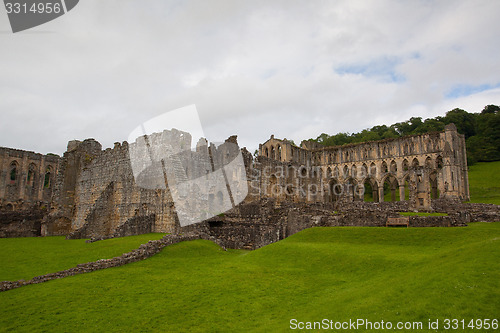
(423, 166)
(26, 178)
(26, 185)
(96, 193)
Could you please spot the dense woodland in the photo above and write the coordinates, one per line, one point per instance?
(481, 130)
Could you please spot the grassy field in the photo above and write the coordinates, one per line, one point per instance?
(484, 179)
(421, 214)
(388, 274)
(25, 258)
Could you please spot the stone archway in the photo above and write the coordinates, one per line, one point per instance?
(391, 188)
(371, 190)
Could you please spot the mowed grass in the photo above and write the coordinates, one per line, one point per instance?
(421, 214)
(389, 274)
(484, 180)
(25, 258)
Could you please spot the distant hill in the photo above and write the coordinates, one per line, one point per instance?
(481, 130)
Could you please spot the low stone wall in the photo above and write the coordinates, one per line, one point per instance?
(478, 212)
(144, 251)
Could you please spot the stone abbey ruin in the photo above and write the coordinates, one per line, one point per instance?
(92, 193)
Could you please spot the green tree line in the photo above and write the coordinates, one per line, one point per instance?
(481, 130)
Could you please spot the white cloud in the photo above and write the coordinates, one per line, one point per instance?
(253, 68)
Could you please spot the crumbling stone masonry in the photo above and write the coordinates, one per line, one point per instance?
(418, 167)
(26, 183)
(92, 193)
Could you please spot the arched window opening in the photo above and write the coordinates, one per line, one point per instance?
(278, 150)
(350, 189)
(47, 180)
(433, 185)
(385, 169)
(364, 171)
(373, 170)
(439, 162)
(328, 173)
(272, 153)
(371, 190)
(428, 162)
(354, 171)
(415, 163)
(405, 165)
(391, 189)
(346, 171)
(220, 199)
(267, 152)
(30, 179)
(13, 172)
(394, 167)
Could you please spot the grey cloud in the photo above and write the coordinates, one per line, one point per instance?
(253, 68)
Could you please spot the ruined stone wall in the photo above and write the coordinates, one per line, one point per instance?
(26, 185)
(97, 193)
(423, 166)
(26, 178)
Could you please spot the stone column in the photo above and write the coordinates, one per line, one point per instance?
(402, 192)
(381, 193)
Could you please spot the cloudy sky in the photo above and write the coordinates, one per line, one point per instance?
(254, 68)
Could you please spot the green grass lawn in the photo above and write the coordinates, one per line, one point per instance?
(421, 214)
(388, 274)
(25, 258)
(484, 179)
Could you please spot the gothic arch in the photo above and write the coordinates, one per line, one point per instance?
(439, 162)
(433, 184)
(30, 178)
(385, 168)
(391, 187)
(328, 173)
(373, 170)
(394, 166)
(47, 183)
(13, 172)
(350, 189)
(346, 171)
(364, 171)
(428, 162)
(370, 189)
(335, 190)
(406, 165)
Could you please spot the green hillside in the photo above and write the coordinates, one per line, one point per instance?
(484, 179)
(388, 274)
(25, 258)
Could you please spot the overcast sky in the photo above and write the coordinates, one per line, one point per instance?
(253, 68)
